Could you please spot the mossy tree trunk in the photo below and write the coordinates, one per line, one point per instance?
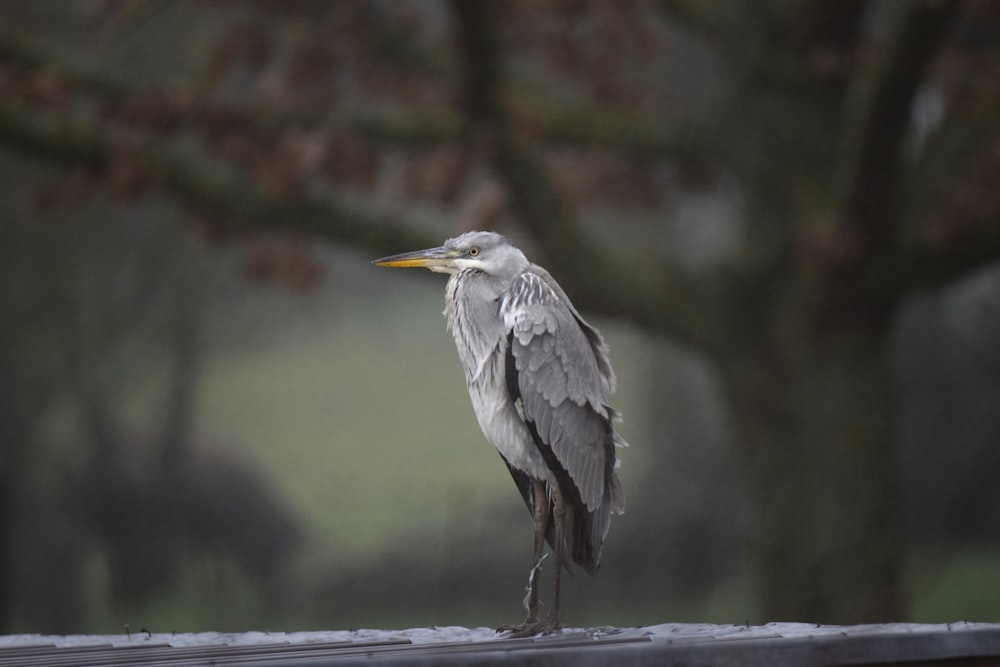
(816, 420)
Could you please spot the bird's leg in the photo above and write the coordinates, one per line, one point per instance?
(541, 515)
(532, 626)
(559, 515)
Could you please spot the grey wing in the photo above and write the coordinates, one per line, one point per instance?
(563, 377)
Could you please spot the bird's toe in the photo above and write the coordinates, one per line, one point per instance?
(530, 629)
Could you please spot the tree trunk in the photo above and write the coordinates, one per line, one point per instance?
(6, 548)
(15, 436)
(817, 421)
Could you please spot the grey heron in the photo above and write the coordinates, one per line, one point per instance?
(539, 377)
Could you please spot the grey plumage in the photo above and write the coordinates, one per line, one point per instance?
(539, 378)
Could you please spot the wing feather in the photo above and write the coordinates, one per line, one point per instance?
(563, 378)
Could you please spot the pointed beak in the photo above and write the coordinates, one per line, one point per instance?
(430, 258)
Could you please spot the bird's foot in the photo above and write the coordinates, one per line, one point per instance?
(530, 628)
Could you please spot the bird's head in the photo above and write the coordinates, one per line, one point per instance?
(488, 252)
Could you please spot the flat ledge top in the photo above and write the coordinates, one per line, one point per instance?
(797, 644)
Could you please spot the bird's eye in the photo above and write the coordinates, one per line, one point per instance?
(473, 251)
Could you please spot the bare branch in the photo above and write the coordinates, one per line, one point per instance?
(613, 280)
(585, 124)
(871, 152)
(235, 207)
(931, 264)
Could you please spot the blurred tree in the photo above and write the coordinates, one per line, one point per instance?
(99, 300)
(22, 356)
(861, 138)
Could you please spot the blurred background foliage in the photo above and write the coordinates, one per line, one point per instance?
(215, 414)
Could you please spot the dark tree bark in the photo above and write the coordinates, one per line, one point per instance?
(817, 425)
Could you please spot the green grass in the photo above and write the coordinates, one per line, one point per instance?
(956, 585)
(360, 417)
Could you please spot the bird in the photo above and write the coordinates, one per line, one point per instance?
(539, 377)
